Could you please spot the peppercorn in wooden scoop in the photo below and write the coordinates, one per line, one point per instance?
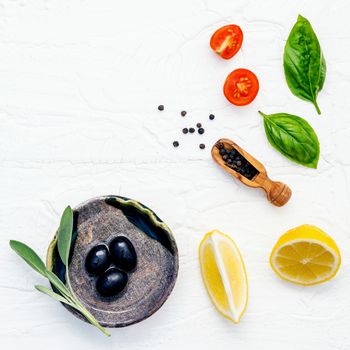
(248, 170)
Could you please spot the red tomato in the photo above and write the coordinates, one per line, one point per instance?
(241, 87)
(227, 40)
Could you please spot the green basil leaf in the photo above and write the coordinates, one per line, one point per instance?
(29, 256)
(52, 294)
(304, 63)
(64, 237)
(293, 137)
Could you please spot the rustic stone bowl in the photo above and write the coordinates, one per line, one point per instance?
(101, 219)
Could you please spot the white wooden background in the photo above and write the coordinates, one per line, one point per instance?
(80, 82)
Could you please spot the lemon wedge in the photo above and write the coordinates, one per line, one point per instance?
(224, 274)
(305, 255)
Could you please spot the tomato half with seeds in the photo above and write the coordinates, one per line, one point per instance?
(227, 40)
(241, 87)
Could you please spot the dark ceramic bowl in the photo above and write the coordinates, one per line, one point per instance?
(101, 219)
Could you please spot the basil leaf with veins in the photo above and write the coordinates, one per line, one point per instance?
(304, 63)
(293, 137)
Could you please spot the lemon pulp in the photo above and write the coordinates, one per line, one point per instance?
(224, 274)
(305, 255)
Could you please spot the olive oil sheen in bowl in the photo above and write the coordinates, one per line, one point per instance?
(100, 221)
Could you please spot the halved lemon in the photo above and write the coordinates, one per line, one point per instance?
(305, 255)
(224, 274)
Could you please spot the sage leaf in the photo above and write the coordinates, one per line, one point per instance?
(29, 256)
(64, 237)
(58, 284)
(52, 294)
(294, 137)
(304, 63)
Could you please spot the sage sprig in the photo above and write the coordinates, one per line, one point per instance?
(294, 137)
(64, 293)
(304, 63)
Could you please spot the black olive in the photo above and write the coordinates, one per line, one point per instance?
(123, 253)
(112, 282)
(97, 260)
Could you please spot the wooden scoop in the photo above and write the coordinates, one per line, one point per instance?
(277, 193)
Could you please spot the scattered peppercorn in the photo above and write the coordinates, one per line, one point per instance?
(192, 130)
(161, 107)
(183, 113)
(199, 125)
(202, 146)
(176, 144)
(185, 130)
(211, 116)
(201, 131)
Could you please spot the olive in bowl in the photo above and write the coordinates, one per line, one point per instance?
(112, 282)
(98, 259)
(123, 253)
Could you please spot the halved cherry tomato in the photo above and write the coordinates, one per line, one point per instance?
(241, 87)
(227, 40)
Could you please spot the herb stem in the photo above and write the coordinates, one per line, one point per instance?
(262, 114)
(92, 320)
(81, 308)
(317, 107)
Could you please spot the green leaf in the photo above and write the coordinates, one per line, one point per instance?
(65, 235)
(29, 256)
(293, 137)
(304, 63)
(60, 286)
(52, 294)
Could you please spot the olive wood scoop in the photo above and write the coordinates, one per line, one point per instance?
(277, 192)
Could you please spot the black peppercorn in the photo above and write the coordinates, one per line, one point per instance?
(176, 144)
(200, 131)
(211, 116)
(192, 130)
(199, 125)
(225, 157)
(161, 108)
(185, 130)
(202, 146)
(233, 153)
(222, 151)
(239, 163)
(183, 113)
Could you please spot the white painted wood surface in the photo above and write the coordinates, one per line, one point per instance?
(80, 82)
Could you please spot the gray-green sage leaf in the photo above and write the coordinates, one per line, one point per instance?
(29, 256)
(64, 236)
